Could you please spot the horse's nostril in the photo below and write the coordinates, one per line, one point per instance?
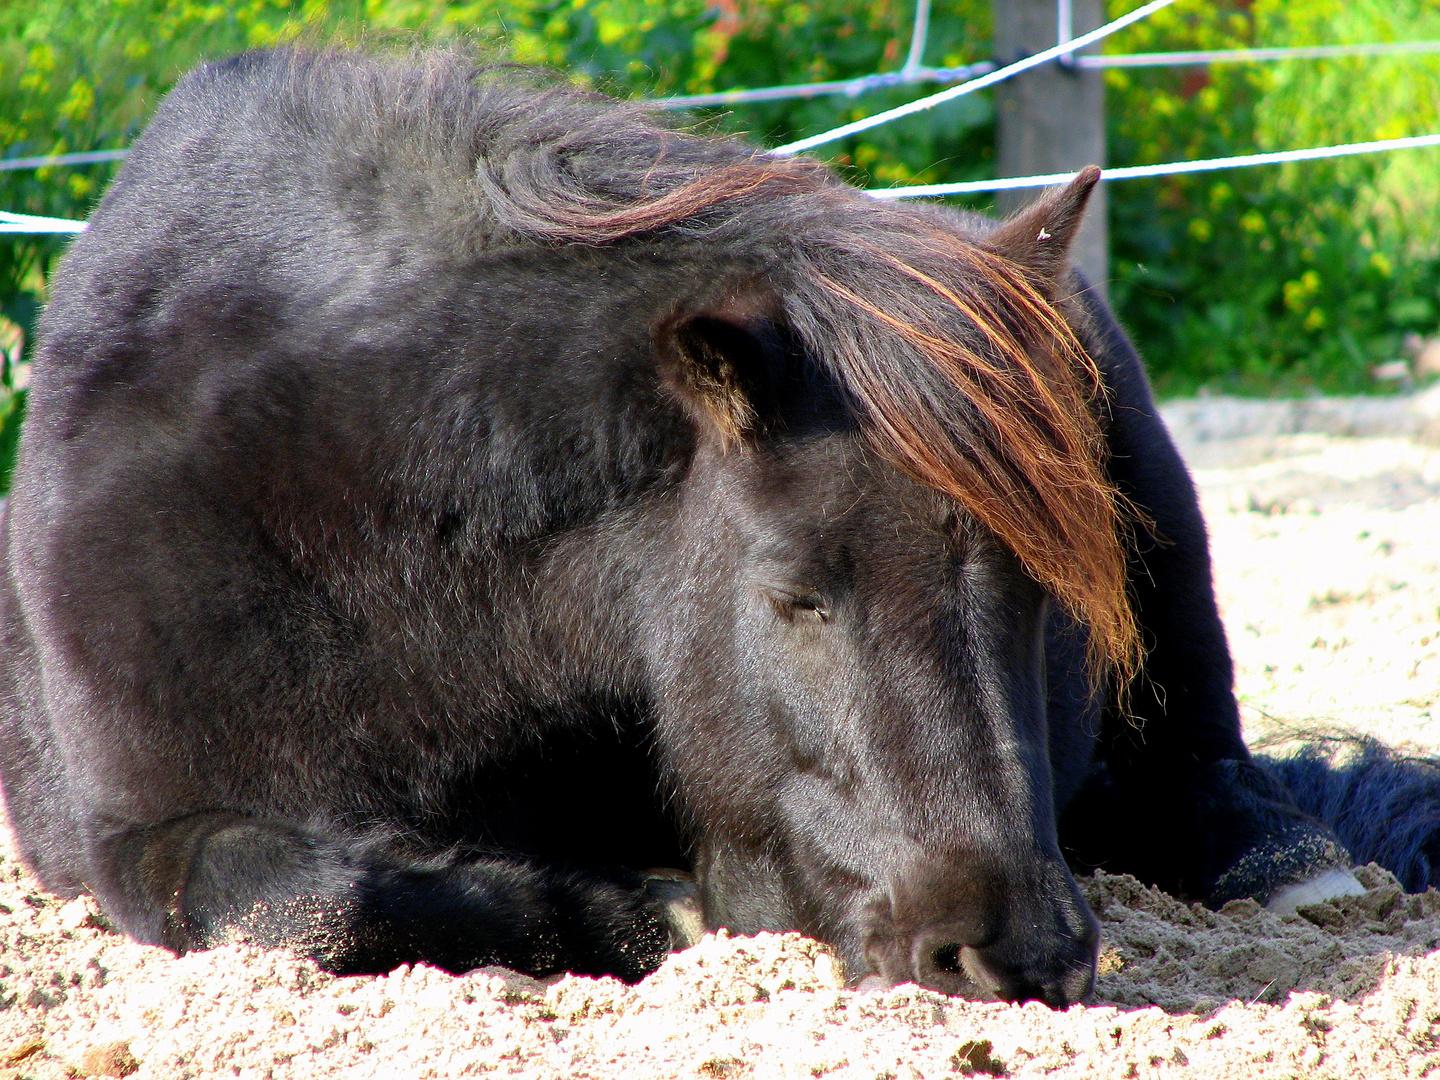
(947, 958)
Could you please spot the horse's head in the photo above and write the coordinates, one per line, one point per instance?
(850, 678)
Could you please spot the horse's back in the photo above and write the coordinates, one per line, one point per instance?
(288, 441)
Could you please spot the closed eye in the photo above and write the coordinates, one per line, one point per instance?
(798, 607)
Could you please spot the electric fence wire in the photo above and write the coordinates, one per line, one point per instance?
(33, 223)
(1251, 56)
(19, 223)
(970, 78)
(45, 161)
(908, 77)
(1169, 168)
(1009, 71)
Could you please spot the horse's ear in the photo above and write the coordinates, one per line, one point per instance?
(1039, 236)
(721, 360)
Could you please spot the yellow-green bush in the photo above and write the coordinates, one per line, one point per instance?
(1278, 279)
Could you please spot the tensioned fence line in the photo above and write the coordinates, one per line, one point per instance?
(33, 223)
(44, 161)
(29, 223)
(1169, 168)
(1009, 71)
(863, 84)
(1251, 56)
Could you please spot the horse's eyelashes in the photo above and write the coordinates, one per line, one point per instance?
(797, 607)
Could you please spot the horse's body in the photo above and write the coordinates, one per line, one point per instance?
(442, 500)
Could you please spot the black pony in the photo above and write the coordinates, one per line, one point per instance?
(445, 496)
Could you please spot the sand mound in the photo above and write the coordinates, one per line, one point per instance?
(1182, 988)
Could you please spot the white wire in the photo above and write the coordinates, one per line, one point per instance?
(85, 157)
(913, 71)
(919, 33)
(850, 87)
(973, 85)
(1246, 56)
(1170, 168)
(865, 83)
(31, 223)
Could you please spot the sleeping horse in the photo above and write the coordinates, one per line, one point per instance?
(446, 496)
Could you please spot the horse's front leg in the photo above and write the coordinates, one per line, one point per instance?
(208, 879)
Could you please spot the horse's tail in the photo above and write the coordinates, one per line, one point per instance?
(1383, 804)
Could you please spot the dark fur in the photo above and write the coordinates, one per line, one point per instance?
(444, 497)
(1383, 804)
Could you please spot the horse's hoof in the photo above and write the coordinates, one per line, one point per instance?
(1307, 854)
(673, 892)
(1330, 885)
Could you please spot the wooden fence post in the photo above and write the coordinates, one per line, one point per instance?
(1052, 118)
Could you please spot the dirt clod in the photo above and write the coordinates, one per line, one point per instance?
(21, 1049)
(975, 1057)
(107, 1059)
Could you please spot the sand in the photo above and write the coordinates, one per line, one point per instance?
(1327, 565)
(1328, 572)
(1345, 989)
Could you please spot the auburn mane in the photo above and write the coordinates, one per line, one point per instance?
(961, 371)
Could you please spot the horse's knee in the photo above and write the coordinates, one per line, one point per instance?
(275, 886)
(218, 878)
(201, 880)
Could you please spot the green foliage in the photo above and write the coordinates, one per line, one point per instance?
(1277, 280)
(655, 48)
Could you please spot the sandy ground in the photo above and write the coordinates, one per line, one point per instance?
(1327, 564)
(1328, 572)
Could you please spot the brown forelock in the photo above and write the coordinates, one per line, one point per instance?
(964, 375)
(975, 385)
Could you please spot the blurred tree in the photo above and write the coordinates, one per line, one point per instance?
(1277, 280)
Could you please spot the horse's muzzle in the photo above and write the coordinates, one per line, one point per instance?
(1043, 948)
(1063, 975)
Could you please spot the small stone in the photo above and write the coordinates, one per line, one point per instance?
(1244, 908)
(829, 971)
(1380, 902)
(107, 1059)
(1326, 915)
(1109, 962)
(518, 986)
(74, 914)
(974, 1056)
